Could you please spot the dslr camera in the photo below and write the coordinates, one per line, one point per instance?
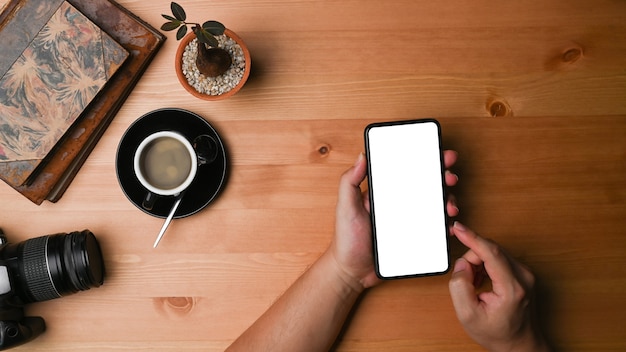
(40, 269)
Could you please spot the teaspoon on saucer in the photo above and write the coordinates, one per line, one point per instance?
(206, 152)
(168, 220)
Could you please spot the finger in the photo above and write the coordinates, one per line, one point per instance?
(472, 258)
(450, 178)
(496, 263)
(522, 272)
(353, 177)
(477, 266)
(451, 206)
(449, 158)
(359, 170)
(366, 201)
(462, 290)
(350, 182)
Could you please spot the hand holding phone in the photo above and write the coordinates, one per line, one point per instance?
(406, 185)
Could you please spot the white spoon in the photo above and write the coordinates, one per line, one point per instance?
(168, 220)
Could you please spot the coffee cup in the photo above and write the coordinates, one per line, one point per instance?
(165, 163)
(212, 159)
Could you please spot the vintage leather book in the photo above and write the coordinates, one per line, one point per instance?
(142, 41)
(59, 70)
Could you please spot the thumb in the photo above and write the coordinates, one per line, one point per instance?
(349, 184)
(462, 290)
(357, 173)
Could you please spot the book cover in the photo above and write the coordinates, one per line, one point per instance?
(49, 85)
(143, 42)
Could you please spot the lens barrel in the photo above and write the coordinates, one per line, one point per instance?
(56, 265)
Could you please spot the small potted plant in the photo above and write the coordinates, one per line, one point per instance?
(212, 62)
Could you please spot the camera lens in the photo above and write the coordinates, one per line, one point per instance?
(56, 265)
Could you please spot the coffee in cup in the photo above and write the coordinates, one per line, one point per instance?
(165, 163)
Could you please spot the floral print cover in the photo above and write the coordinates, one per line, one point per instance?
(50, 84)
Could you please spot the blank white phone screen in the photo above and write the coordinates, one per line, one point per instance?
(408, 206)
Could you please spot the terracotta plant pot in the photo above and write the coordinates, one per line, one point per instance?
(183, 80)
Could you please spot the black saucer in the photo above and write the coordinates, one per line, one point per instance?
(209, 180)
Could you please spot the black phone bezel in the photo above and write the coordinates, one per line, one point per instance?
(371, 197)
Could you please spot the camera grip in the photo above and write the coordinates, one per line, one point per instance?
(14, 333)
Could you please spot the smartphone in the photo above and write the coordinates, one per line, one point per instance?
(407, 198)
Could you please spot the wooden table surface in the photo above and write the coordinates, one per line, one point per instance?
(531, 93)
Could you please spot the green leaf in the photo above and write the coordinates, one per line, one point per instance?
(169, 18)
(170, 26)
(178, 12)
(198, 32)
(213, 27)
(181, 32)
(206, 38)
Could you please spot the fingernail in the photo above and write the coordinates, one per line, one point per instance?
(358, 159)
(448, 172)
(459, 226)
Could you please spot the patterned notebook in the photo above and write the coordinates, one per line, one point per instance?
(47, 87)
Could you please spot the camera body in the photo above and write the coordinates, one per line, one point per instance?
(41, 269)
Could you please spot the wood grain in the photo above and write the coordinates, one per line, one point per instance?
(530, 93)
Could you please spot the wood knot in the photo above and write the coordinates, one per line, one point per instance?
(323, 150)
(499, 108)
(174, 306)
(564, 59)
(572, 55)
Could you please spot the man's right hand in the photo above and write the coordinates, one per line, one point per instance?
(501, 319)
